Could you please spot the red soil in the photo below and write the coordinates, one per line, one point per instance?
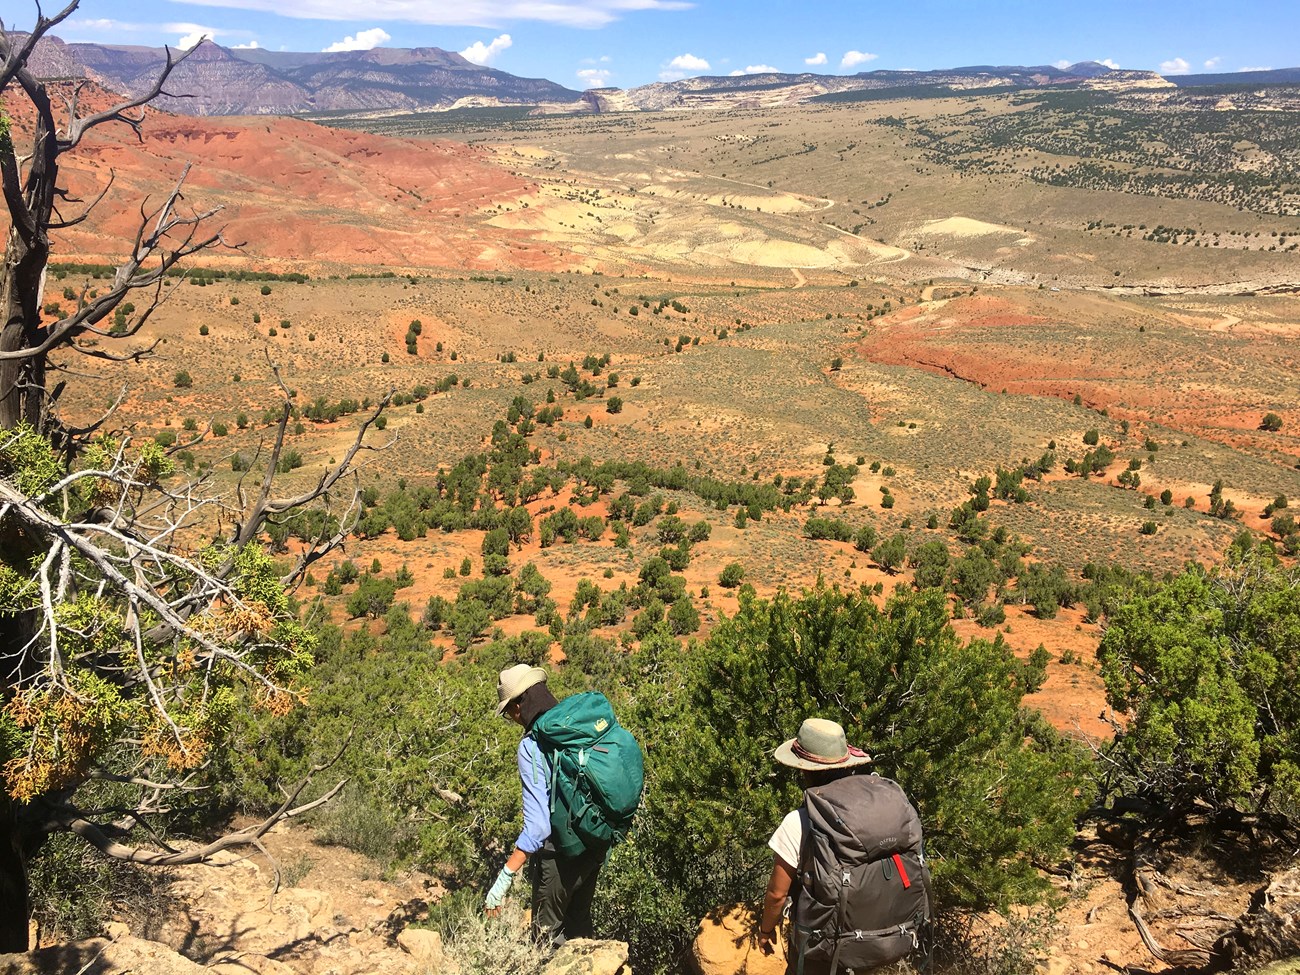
(297, 193)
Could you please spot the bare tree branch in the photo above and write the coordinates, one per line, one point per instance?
(78, 127)
(15, 58)
(130, 276)
(252, 524)
(94, 834)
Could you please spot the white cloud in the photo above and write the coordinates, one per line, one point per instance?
(184, 27)
(1261, 68)
(190, 33)
(1175, 66)
(852, 59)
(250, 46)
(681, 66)
(594, 77)
(755, 69)
(98, 23)
(1062, 64)
(480, 53)
(364, 40)
(588, 14)
(818, 58)
(1212, 63)
(688, 62)
(1108, 62)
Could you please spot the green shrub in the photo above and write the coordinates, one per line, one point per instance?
(1202, 672)
(76, 890)
(997, 788)
(480, 945)
(356, 822)
(732, 575)
(372, 597)
(889, 555)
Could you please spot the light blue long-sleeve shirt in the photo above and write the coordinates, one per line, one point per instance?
(535, 775)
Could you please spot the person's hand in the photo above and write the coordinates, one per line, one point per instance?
(498, 892)
(766, 941)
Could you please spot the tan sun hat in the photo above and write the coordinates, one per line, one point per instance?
(514, 681)
(820, 744)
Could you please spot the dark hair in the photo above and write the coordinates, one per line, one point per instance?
(534, 702)
(812, 780)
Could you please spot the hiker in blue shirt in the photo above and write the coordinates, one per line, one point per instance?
(563, 886)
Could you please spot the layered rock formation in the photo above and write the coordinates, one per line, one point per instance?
(223, 81)
(215, 80)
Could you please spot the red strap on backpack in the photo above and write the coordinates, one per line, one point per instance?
(902, 872)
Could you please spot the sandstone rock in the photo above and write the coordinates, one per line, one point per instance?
(243, 963)
(116, 931)
(317, 905)
(98, 956)
(423, 946)
(584, 956)
(724, 946)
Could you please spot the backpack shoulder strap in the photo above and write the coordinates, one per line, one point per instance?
(805, 855)
(532, 754)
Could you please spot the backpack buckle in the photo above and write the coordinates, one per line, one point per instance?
(845, 881)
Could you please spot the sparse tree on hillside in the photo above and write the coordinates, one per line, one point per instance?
(1201, 672)
(138, 615)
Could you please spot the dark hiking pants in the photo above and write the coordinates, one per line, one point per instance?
(562, 891)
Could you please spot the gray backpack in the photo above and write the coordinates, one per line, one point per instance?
(864, 887)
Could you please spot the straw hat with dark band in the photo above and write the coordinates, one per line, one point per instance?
(820, 745)
(514, 681)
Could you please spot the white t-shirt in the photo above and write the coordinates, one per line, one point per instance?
(788, 838)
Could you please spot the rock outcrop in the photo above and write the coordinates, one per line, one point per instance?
(725, 945)
(100, 956)
(584, 956)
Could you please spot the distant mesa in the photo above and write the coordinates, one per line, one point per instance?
(216, 80)
(224, 81)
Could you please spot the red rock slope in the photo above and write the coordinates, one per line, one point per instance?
(295, 192)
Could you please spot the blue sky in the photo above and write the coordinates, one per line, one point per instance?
(583, 43)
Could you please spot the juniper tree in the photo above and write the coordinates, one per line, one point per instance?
(997, 788)
(1201, 674)
(138, 612)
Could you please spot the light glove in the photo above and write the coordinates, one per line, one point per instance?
(498, 892)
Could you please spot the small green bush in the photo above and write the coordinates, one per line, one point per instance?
(732, 575)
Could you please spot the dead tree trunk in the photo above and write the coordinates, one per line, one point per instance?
(13, 882)
(30, 202)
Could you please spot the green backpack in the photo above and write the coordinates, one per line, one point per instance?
(597, 773)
